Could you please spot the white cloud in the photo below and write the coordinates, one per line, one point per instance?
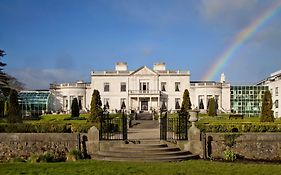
(41, 78)
(229, 12)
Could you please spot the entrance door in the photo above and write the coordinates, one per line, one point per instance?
(144, 105)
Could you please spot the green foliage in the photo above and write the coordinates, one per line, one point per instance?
(240, 127)
(35, 128)
(96, 109)
(229, 155)
(47, 157)
(74, 155)
(14, 115)
(266, 109)
(229, 139)
(17, 160)
(33, 158)
(75, 108)
(212, 111)
(4, 79)
(186, 104)
(45, 127)
(81, 128)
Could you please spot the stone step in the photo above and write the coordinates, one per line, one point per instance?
(141, 145)
(143, 150)
(147, 159)
(142, 154)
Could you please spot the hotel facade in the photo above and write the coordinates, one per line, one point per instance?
(142, 90)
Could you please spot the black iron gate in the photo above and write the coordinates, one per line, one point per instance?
(174, 128)
(113, 128)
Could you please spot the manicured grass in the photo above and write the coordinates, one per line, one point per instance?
(193, 167)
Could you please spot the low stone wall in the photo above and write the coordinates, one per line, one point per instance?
(255, 146)
(25, 144)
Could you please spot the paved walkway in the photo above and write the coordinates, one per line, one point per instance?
(144, 130)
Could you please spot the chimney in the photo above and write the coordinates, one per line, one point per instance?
(222, 78)
(121, 66)
(159, 66)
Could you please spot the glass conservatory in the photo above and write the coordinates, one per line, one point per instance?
(34, 103)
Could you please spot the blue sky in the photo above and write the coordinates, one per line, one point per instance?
(63, 40)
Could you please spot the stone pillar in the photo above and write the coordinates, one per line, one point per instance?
(194, 144)
(93, 144)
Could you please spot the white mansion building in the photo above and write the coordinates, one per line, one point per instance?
(141, 90)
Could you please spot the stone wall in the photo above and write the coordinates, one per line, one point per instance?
(255, 146)
(25, 144)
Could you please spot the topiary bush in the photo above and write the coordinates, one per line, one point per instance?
(239, 127)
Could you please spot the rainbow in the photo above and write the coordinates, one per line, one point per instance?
(239, 39)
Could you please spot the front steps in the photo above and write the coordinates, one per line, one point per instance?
(144, 151)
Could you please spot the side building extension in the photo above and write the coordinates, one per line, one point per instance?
(274, 85)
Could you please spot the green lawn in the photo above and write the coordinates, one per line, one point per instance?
(191, 167)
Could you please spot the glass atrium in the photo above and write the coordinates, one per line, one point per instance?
(34, 103)
(247, 100)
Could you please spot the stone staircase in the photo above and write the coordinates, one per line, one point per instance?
(144, 151)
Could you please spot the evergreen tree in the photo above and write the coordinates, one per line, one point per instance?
(4, 80)
(201, 105)
(14, 115)
(96, 107)
(212, 111)
(123, 106)
(186, 104)
(266, 109)
(75, 108)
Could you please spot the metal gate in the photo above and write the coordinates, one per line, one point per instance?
(113, 128)
(173, 128)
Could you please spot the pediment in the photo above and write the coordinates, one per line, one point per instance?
(144, 71)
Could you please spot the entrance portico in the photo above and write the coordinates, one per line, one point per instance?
(147, 101)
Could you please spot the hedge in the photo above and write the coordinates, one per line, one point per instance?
(240, 127)
(44, 128)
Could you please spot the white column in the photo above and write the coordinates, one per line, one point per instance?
(150, 103)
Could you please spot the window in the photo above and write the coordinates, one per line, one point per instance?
(144, 86)
(123, 103)
(80, 101)
(276, 103)
(106, 103)
(276, 114)
(163, 86)
(106, 87)
(177, 86)
(123, 87)
(65, 102)
(200, 101)
(177, 103)
(276, 91)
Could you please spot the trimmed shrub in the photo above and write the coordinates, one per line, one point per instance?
(75, 108)
(239, 127)
(266, 109)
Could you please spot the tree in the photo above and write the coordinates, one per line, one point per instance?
(4, 80)
(123, 106)
(201, 104)
(266, 109)
(75, 108)
(212, 111)
(14, 115)
(96, 109)
(186, 104)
